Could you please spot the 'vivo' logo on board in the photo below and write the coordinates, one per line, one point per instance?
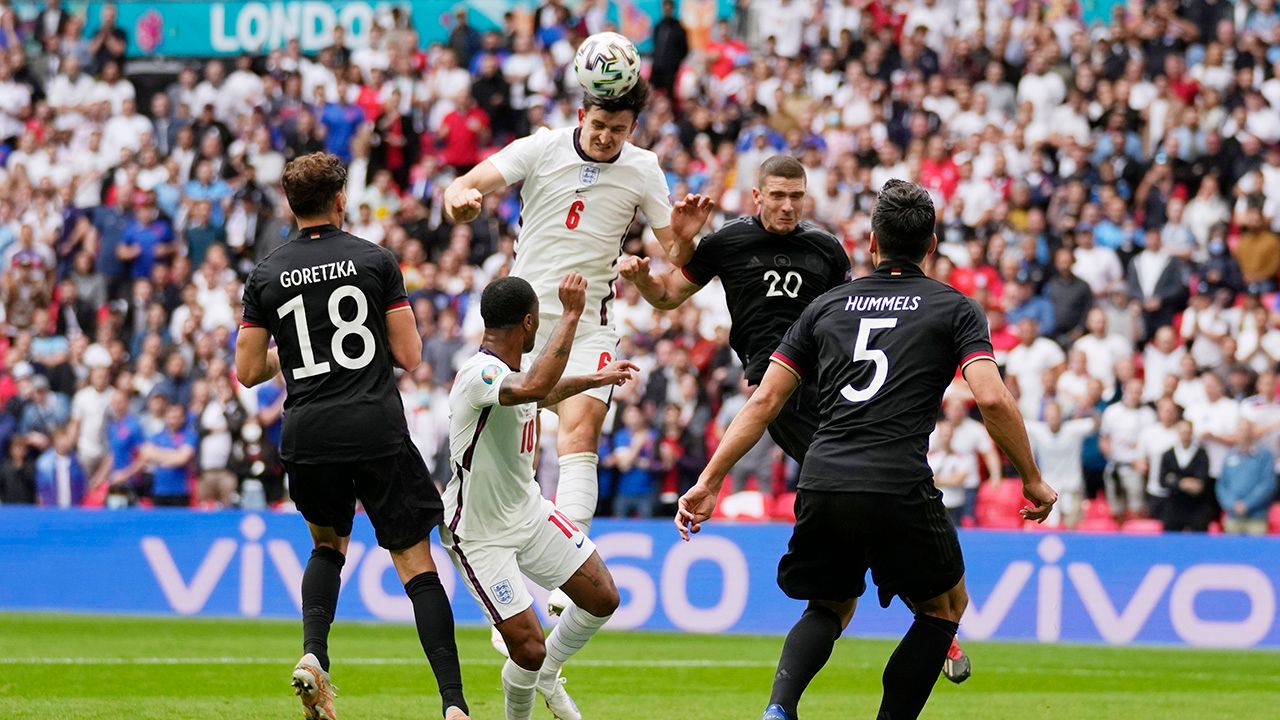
(1121, 622)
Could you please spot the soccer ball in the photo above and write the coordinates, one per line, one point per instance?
(607, 65)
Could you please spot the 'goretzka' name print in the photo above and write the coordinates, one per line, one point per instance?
(317, 273)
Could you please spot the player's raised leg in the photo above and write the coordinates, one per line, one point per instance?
(913, 668)
(434, 618)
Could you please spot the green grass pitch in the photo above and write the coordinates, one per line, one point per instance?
(82, 668)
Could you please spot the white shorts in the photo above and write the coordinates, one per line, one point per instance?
(594, 346)
(548, 549)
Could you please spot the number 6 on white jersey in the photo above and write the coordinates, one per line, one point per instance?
(862, 353)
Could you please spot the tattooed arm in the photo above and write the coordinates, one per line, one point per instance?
(541, 379)
(617, 372)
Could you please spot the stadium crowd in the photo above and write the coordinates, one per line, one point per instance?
(1110, 194)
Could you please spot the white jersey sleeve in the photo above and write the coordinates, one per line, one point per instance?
(656, 204)
(518, 160)
(481, 389)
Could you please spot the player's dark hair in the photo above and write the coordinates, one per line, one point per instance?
(506, 301)
(780, 166)
(632, 101)
(904, 221)
(312, 183)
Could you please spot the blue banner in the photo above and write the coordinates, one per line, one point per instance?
(206, 29)
(1117, 589)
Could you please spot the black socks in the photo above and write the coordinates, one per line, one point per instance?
(807, 648)
(914, 667)
(434, 617)
(320, 584)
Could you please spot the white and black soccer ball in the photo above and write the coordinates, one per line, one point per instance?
(607, 65)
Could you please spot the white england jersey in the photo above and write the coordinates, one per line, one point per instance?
(575, 212)
(491, 487)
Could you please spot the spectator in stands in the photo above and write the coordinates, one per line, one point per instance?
(1184, 474)
(670, 48)
(171, 451)
(1070, 296)
(1159, 281)
(45, 414)
(1028, 363)
(1059, 449)
(61, 481)
(969, 437)
(1247, 484)
(1121, 429)
(634, 456)
(17, 476)
(951, 471)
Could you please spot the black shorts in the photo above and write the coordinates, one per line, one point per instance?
(797, 422)
(907, 541)
(397, 492)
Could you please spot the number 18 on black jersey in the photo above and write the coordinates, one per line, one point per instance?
(324, 298)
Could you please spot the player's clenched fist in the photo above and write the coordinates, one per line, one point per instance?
(462, 205)
(573, 294)
(633, 268)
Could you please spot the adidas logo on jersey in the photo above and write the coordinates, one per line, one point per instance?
(755, 262)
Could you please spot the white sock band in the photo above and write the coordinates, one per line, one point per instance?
(579, 488)
(575, 628)
(518, 689)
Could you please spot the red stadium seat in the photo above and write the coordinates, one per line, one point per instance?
(1273, 519)
(745, 505)
(1142, 526)
(784, 507)
(998, 505)
(1215, 528)
(97, 497)
(1105, 524)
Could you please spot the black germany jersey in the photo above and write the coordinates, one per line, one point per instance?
(882, 350)
(324, 297)
(769, 279)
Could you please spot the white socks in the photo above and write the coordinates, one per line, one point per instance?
(579, 488)
(575, 628)
(518, 689)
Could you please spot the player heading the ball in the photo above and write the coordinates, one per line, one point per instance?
(582, 188)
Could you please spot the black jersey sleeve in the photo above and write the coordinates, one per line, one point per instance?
(798, 350)
(705, 263)
(841, 270)
(972, 336)
(251, 302)
(393, 292)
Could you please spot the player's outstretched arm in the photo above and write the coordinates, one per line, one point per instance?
(696, 505)
(1003, 420)
(463, 196)
(536, 384)
(687, 218)
(617, 372)
(255, 362)
(665, 292)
